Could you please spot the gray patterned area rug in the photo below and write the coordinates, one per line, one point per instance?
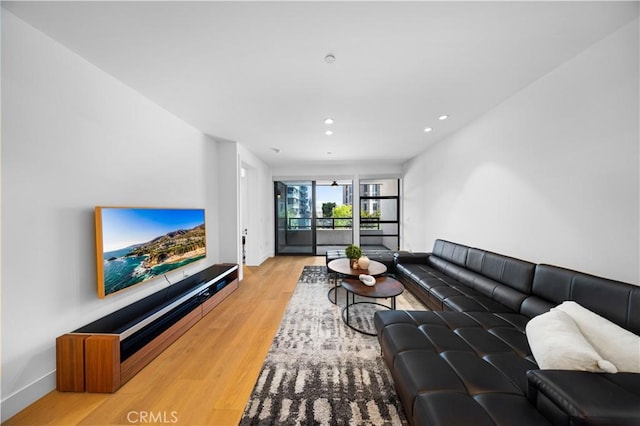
(319, 371)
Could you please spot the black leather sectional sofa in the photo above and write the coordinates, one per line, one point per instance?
(468, 362)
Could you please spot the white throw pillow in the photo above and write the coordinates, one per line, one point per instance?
(557, 344)
(613, 342)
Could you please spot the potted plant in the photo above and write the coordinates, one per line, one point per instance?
(353, 252)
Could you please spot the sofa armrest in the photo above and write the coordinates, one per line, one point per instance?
(584, 398)
(410, 257)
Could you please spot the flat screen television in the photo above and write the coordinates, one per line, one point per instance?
(136, 244)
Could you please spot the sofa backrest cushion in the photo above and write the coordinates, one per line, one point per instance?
(453, 252)
(617, 301)
(515, 273)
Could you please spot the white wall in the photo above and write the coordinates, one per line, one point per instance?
(338, 170)
(72, 138)
(228, 192)
(550, 175)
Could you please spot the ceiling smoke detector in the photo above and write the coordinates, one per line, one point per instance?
(330, 58)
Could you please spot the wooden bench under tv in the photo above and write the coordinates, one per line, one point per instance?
(105, 354)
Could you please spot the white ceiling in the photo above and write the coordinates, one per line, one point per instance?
(254, 72)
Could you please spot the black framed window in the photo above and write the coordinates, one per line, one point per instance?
(380, 214)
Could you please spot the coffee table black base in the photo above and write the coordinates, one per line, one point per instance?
(333, 290)
(345, 311)
(384, 288)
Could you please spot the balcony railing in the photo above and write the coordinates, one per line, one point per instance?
(304, 223)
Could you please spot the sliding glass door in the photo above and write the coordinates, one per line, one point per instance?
(313, 216)
(294, 217)
(334, 209)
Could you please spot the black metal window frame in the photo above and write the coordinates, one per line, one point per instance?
(378, 221)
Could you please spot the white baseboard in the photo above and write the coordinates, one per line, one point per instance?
(18, 401)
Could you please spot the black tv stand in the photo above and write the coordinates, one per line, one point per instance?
(105, 354)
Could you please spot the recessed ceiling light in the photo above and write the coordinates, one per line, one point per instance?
(329, 58)
(328, 133)
(328, 120)
(443, 117)
(427, 129)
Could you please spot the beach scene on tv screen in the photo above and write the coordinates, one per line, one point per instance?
(140, 244)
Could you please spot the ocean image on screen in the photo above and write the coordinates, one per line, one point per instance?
(139, 244)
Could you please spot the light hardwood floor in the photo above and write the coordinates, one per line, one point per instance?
(206, 376)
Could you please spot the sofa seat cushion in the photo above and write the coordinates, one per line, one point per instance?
(465, 355)
(502, 320)
(444, 292)
(474, 304)
(419, 371)
(420, 273)
(452, 287)
(519, 321)
(450, 408)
